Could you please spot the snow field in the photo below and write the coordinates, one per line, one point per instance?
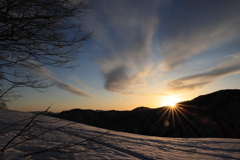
(79, 141)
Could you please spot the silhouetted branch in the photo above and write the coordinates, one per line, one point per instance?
(39, 33)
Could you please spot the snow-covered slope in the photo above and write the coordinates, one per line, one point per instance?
(51, 138)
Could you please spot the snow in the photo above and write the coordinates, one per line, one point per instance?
(96, 143)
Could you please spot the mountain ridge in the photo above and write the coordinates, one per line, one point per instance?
(215, 114)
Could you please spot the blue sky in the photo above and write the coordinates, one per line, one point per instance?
(145, 51)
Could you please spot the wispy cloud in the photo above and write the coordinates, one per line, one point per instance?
(46, 74)
(69, 88)
(190, 30)
(80, 82)
(127, 40)
(142, 37)
(118, 100)
(200, 80)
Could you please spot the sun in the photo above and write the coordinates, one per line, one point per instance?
(171, 100)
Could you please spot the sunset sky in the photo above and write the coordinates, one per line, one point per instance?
(144, 52)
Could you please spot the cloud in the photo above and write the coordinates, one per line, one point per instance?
(118, 81)
(189, 30)
(126, 34)
(80, 82)
(46, 74)
(142, 37)
(118, 100)
(70, 88)
(202, 79)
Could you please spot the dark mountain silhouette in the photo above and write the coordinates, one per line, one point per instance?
(212, 115)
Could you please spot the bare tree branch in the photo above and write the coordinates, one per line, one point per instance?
(39, 33)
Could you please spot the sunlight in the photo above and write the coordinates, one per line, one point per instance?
(173, 113)
(171, 100)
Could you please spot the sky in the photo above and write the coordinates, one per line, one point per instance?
(144, 52)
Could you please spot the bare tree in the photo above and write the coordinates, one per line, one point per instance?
(37, 33)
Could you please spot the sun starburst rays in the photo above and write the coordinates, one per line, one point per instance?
(176, 113)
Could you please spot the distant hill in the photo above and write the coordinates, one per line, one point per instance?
(212, 115)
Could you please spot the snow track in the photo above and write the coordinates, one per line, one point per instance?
(119, 149)
(168, 148)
